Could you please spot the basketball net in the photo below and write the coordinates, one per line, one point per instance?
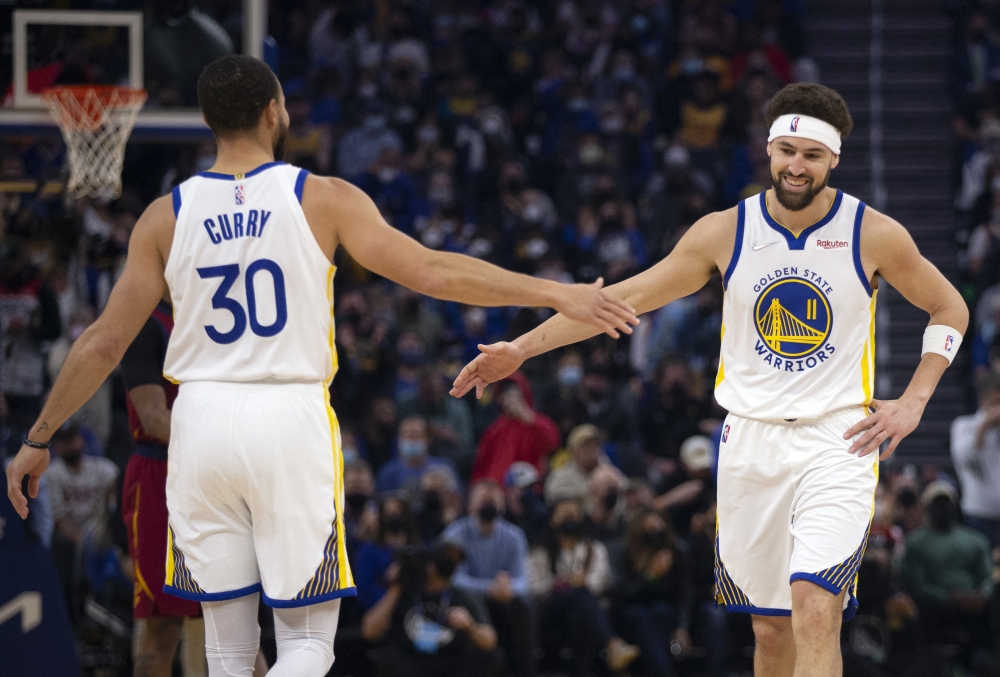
(95, 121)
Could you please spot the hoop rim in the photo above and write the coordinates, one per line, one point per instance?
(127, 95)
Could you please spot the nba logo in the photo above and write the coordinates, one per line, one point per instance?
(725, 434)
(948, 342)
(239, 195)
(794, 127)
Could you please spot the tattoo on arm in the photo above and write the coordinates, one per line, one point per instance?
(44, 426)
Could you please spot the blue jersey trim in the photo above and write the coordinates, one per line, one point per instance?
(741, 215)
(300, 183)
(317, 599)
(799, 242)
(856, 245)
(232, 177)
(818, 580)
(756, 610)
(177, 200)
(211, 596)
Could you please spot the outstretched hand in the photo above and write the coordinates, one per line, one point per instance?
(893, 420)
(29, 461)
(592, 305)
(496, 361)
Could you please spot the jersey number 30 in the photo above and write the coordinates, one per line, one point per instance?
(220, 300)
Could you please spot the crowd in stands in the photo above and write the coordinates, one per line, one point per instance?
(565, 522)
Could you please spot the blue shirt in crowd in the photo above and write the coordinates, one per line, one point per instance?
(396, 475)
(371, 563)
(503, 549)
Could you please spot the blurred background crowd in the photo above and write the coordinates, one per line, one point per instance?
(571, 510)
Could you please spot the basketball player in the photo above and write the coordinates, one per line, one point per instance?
(254, 482)
(797, 470)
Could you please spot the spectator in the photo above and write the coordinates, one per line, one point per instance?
(391, 189)
(449, 420)
(361, 147)
(308, 145)
(413, 459)
(690, 489)
(572, 480)
(82, 489)
(709, 618)
(606, 506)
(428, 627)
(568, 575)
(380, 432)
(654, 594)
(29, 315)
(495, 570)
(976, 59)
(519, 434)
(440, 503)
(975, 449)
(948, 570)
(526, 507)
(360, 509)
(412, 352)
(395, 531)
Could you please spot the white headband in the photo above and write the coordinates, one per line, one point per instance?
(805, 127)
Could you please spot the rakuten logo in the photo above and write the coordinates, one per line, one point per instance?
(832, 244)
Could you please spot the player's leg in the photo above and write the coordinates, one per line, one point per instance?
(157, 640)
(816, 621)
(232, 636)
(774, 646)
(305, 639)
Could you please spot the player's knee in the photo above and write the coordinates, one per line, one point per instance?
(815, 610)
(772, 632)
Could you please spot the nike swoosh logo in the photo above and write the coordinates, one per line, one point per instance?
(758, 247)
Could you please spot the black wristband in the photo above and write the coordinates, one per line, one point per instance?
(34, 445)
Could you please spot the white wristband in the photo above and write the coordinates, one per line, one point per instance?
(942, 340)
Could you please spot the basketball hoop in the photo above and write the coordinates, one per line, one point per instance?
(95, 121)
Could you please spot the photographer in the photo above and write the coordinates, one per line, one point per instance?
(427, 627)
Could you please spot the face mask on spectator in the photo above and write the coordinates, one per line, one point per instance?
(394, 524)
(388, 174)
(623, 73)
(356, 502)
(367, 90)
(411, 357)
(433, 505)
(475, 318)
(536, 248)
(442, 195)
(590, 154)
(656, 540)
(613, 124)
(569, 375)
(375, 122)
(571, 527)
(488, 512)
(433, 237)
(610, 500)
(412, 448)
(515, 185)
(428, 135)
(533, 213)
(350, 455)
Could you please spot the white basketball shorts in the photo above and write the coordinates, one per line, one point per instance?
(254, 491)
(793, 504)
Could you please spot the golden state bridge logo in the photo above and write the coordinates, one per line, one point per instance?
(793, 320)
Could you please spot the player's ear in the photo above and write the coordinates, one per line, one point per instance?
(769, 148)
(836, 161)
(272, 114)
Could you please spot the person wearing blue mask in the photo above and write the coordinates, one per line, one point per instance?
(412, 459)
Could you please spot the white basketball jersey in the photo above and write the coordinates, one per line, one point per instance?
(252, 290)
(798, 316)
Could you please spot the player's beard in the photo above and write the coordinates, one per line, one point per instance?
(795, 202)
(280, 143)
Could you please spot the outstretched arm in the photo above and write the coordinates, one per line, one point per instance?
(888, 250)
(703, 251)
(384, 250)
(100, 347)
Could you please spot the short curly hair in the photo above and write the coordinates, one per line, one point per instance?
(233, 92)
(818, 101)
